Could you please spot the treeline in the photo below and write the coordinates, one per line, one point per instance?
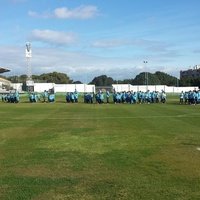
(54, 77)
(190, 82)
(157, 78)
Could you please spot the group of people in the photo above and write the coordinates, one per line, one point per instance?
(46, 96)
(72, 97)
(89, 97)
(11, 97)
(131, 97)
(126, 97)
(190, 97)
(139, 97)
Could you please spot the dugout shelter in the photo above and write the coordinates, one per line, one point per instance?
(4, 84)
(3, 70)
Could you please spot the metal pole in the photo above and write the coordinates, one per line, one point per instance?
(29, 73)
(146, 74)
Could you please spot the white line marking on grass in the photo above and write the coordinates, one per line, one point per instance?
(198, 148)
(98, 118)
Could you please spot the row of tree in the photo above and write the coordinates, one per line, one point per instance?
(54, 77)
(157, 78)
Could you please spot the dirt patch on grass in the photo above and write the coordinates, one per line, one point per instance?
(62, 194)
(43, 171)
(180, 160)
(18, 133)
(2, 156)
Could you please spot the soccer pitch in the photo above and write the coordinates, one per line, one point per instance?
(99, 152)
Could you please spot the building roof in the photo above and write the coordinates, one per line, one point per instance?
(4, 80)
(2, 70)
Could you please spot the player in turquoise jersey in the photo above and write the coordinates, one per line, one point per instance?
(198, 96)
(107, 96)
(181, 96)
(76, 96)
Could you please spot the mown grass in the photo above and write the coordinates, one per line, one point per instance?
(78, 151)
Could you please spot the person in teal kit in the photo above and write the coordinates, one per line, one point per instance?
(101, 97)
(16, 96)
(194, 97)
(148, 96)
(163, 97)
(107, 96)
(198, 97)
(123, 96)
(119, 97)
(45, 96)
(76, 96)
(51, 97)
(181, 96)
(114, 97)
(31, 97)
(72, 97)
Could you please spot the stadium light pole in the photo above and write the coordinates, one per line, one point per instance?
(28, 57)
(146, 73)
(28, 54)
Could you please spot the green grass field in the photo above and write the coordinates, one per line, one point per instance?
(58, 151)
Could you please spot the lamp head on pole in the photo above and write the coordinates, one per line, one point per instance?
(28, 50)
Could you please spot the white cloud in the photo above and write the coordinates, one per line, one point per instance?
(81, 12)
(156, 46)
(32, 13)
(53, 37)
(109, 43)
(37, 15)
(78, 65)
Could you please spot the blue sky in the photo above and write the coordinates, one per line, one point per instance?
(93, 37)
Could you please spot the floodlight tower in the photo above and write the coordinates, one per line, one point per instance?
(29, 81)
(146, 74)
(28, 59)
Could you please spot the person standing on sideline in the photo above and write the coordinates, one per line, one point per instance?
(181, 97)
(107, 96)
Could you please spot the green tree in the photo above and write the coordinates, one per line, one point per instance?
(22, 78)
(166, 79)
(146, 78)
(189, 81)
(13, 79)
(77, 82)
(102, 80)
(55, 77)
(158, 78)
